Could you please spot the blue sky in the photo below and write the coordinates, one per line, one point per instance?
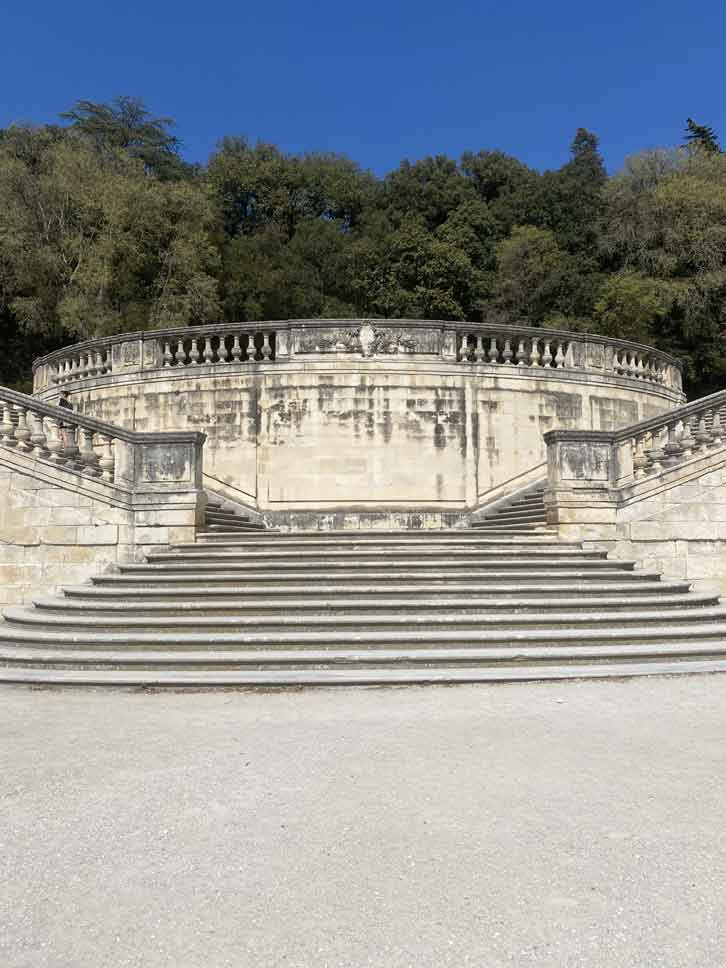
(380, 81)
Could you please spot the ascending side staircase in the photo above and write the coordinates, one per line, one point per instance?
(253, 607)
(524, 511)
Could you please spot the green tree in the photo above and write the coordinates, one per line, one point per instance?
(701, 136)
(126, 123)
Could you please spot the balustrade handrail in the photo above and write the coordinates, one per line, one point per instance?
(515, 328)
(695, 408)
(84, 445)
(645, 448)
(66, 415)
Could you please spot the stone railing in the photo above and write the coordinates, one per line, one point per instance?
(623, 457)
(520, 348)
(538, 348)
(122, 458)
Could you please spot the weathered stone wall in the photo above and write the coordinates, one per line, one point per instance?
(680, 531)
(364, 434)
(60, 528)
(671, 520)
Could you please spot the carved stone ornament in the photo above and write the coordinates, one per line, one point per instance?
(367, 337)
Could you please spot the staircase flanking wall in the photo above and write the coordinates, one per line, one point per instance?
(655, 492)
(78, 497)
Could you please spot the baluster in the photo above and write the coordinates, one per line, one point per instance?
(479, 351)
(236, 349)
(223, 350)
(616, 361)
(208, 352)
(168, 357)
(570, 356)
(180, 356)
(493, 353)
(702, 435)
(463, 352)
(507, 354)
(673, 449)
(71, 451)
(22, 431)
(106, 460)
(87, 454)
(194, 353)
(655, 452)
(55, 443)
(251, 348)
(521, 354)
(640, 460)
(716, 429)
(559, 357)
(547, 355)
(7, 427)
(267, 347)
(534, 355)
(92, 369)
(687, 440)
(640, 367)
(38, 437)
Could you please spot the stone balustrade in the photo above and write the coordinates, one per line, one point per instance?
(512, 346)
(123, 458)
(644, 449)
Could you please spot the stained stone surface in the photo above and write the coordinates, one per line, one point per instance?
(567, 825)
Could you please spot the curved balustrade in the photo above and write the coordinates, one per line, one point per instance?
(490, 345)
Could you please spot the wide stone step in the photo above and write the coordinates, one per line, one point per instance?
(176, 639)
(358, 676)
(322, 661)
(295, 542)
(281, 596)
(389, 566)
(340, 605)
(421, 579)
(442, 556)
(365, 622)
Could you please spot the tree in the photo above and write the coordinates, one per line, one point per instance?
(702, 136)
(90, 245)
(127, 124)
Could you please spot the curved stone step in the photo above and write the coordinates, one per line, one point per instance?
(546, 564)
(422, 579)
(279, 595)
(29, 617)
(323, 661)
(343, 605)
(362, 676)
(176, 639)
(436, 556)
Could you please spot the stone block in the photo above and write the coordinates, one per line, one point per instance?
(102, 534)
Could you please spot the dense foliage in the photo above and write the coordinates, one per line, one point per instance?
(104, 228)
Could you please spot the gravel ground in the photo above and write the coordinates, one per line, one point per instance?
(574, 824)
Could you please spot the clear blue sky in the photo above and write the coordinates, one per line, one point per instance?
(380, 81)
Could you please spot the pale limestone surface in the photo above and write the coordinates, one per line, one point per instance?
(573, 825)
(356, 416)
(672, 521)
(58, 527)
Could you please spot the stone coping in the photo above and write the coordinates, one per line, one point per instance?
(512, 329)
(703, 405)
(111, 430)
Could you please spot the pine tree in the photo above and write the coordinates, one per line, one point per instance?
(702, 135)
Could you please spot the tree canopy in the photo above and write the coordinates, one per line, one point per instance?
(104, 228)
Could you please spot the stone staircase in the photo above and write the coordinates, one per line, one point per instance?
(247, 607)
(223, 518)
(522, 512)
